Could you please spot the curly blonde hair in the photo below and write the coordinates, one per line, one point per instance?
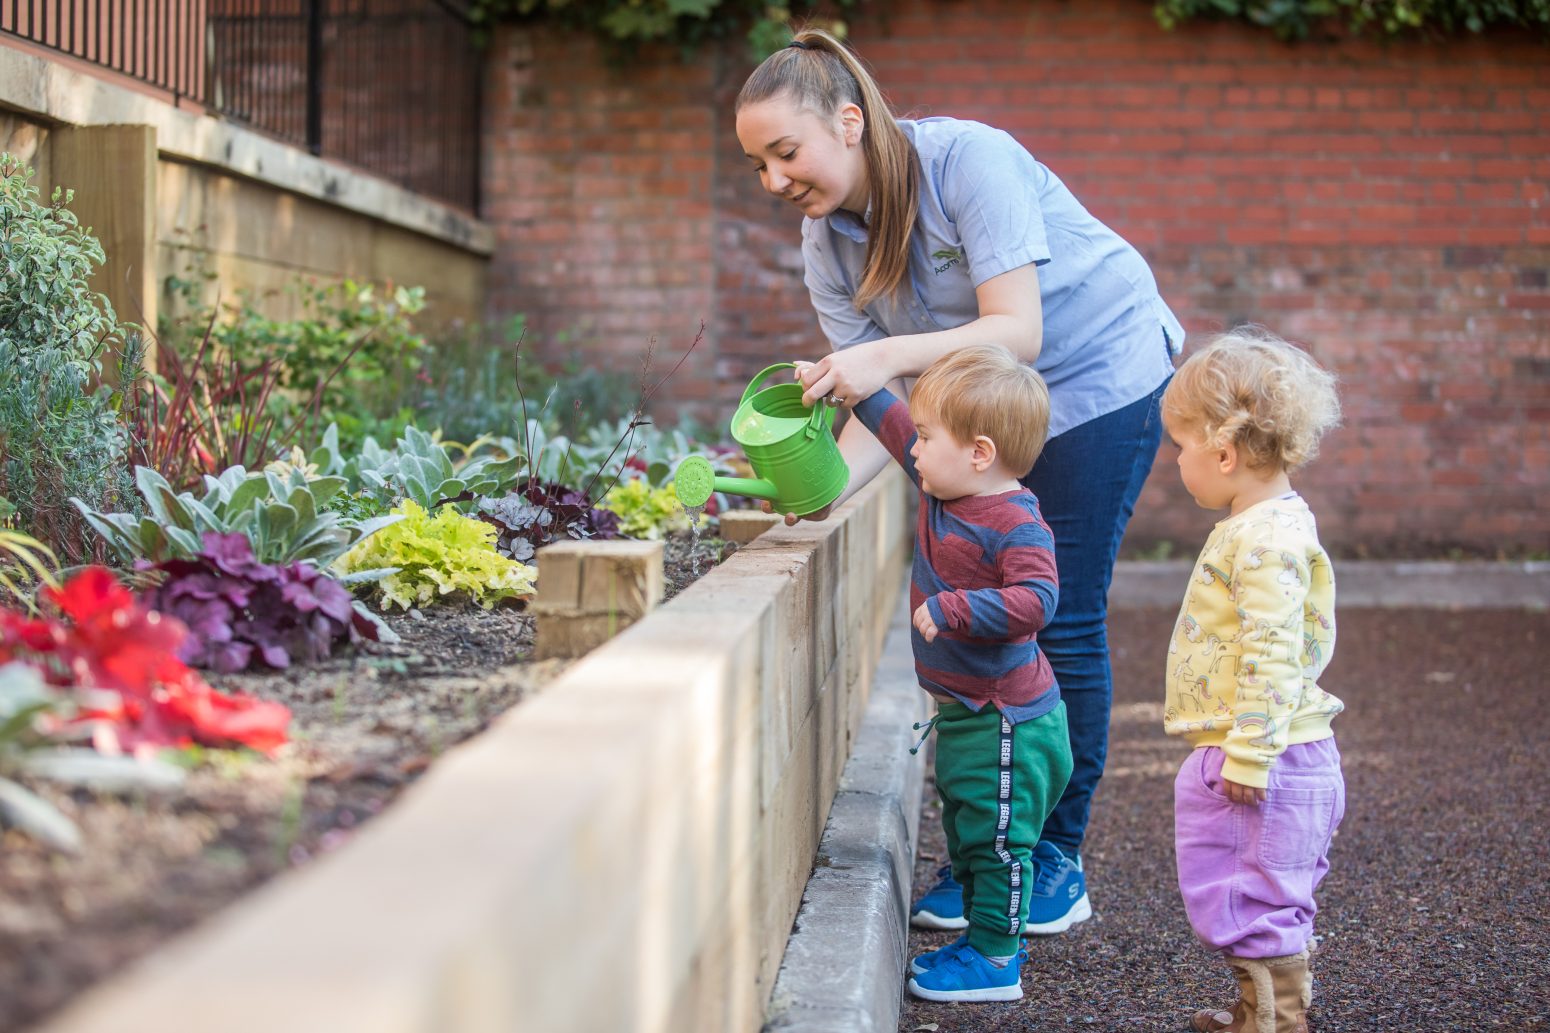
(1251, 389)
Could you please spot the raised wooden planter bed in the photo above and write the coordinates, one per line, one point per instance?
(625, 852)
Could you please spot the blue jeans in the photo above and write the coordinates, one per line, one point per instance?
(1087, 481)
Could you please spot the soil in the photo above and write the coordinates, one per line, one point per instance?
(365, 725)
(1432, 918)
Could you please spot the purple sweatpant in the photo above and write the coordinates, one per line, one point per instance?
(1248, 872)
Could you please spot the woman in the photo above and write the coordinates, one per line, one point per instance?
(922, 237)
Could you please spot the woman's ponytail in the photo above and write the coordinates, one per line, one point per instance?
(820, 74)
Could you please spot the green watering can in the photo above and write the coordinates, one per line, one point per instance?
(789, 445)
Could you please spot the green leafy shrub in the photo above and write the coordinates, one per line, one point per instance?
(644, 511)
(1298, 19)
(60, 431)
(283, 516)
(436, 557)
(345, 359)
(480, 380)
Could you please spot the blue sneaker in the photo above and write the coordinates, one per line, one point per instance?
(942, 908)
(927, 961)
(967, 975)
(1059, 897)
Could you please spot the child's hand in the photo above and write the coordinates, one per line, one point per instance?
(1240, 793)
(924, 624)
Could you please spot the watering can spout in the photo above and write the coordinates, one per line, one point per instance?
(749, 487)
(695, 481)
(790, 446)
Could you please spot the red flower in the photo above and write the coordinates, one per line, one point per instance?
(108, 642)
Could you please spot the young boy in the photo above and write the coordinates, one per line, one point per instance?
(983, 585)
(1258, 801)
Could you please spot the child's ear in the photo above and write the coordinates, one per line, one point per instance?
(984, 454)
(1227, 459)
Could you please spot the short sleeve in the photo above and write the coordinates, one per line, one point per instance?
(833, 299)
(990, 190)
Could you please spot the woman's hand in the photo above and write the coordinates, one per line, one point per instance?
(792, 519)
(846, 377)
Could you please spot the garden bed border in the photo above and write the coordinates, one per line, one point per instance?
(624, 852)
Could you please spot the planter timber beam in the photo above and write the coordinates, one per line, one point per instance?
(626, 851)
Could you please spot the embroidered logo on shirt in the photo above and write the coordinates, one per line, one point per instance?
(949, 257)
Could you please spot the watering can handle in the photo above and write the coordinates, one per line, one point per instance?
(822, 416)
(753, 385)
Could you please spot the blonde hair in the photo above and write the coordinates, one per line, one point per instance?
(1251, 389)
(984, 389)
(820, 74)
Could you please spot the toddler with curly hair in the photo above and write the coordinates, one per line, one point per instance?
(1257, 802)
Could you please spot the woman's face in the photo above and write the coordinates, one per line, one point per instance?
(816, 163)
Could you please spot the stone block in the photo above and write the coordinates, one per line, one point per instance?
(588, 592)
(744, 525)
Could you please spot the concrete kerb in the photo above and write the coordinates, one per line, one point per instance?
(844, 963)
(1369, 583)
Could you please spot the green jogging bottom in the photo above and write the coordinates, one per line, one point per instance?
(998, 782)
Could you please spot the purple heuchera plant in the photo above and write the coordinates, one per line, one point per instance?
(239, 610)
(540, 512)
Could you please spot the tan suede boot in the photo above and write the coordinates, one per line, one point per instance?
(1237, 1017)
(1283, 988)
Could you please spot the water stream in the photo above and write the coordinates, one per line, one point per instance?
(694, 538)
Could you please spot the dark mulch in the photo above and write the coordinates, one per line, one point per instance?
(364, 726)
(1433, 917)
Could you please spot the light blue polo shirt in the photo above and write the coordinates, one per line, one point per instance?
(987, 206)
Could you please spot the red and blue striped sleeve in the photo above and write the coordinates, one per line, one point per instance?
(1026, 599)
(887, 416)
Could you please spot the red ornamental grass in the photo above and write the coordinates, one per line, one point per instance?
(104, 641)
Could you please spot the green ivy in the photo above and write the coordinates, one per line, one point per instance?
(1298, 19)
(685, 23)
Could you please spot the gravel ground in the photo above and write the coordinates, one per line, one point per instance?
(1433, 917)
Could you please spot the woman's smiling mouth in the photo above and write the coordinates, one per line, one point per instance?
(799, 198)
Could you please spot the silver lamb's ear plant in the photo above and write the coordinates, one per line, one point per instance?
(282, 514)
(420, 469)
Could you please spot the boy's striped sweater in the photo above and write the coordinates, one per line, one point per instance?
(985, 566)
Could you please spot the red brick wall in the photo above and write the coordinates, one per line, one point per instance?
(1385, 204)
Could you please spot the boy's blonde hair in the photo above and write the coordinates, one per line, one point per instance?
(984, 389)
(1251, 389)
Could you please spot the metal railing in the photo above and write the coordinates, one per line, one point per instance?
(159, 42)
(391, 86)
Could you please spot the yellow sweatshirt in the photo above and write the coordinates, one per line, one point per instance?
(1256, 630)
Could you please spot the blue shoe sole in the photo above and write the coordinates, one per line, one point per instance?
(1014, 992)
(926, 920)
(1081, 911)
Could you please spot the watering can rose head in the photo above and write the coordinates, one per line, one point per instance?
(790, 446)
